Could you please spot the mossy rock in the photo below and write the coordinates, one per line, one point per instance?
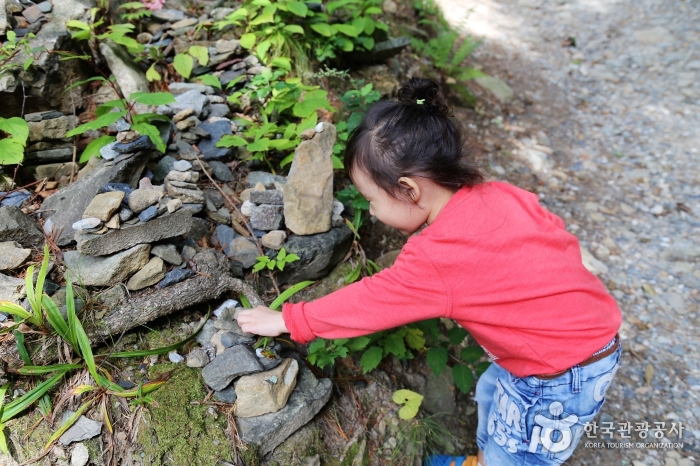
(176, 432)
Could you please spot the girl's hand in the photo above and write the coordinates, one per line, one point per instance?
(263, 321)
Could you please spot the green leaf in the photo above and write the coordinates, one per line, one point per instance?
(298, 8)
(109, 106)
(56, 320)
(323, 29)
(358, 343)
(367, 42)
(287, 160)
(463, 377)
(94, 147)
(247, 41)
(366, 89)
(27, 63)
(11, 152)
(102, 121)
(307, 123)
(211, 80)
(17, 127)
(183, 64)
(288, 293)
(481, 367)
(231, 141)
(69, 422)
(414, 338)
(308, 107)
(457, 335)
(80, 83)
(294, 29)
(337, 163)
(259, 145)
(147, 129)
(354, 274)
(266, 16)
(153, 98)
(200, 53)
(380, 25)
(282, 253)
(39, 370)
(346, 29)
(75, 24)
(437, 359)
(359, 25)
(20, 404)
(369, 26)
(471, 353)
(13, 309)
(411, 401)
(282, 62)
(371, 358)
(373, 10)
(394, 344)
(152, 74)
(262, 48)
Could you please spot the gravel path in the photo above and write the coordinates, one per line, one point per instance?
(621, 111)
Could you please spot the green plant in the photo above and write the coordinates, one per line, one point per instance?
(351, 197)
(78, 350)
(135, 11)
(13, 139)
(411, 402)
(12, 48)
(420, 438)
(287, 108)
(279, 261)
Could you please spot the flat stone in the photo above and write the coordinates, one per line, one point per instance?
(318, 254)
(167, 252)
(17, 226)
(173, 356)
(33, 14)
(192, 99)
(207, 332)
(308, 193)
(227, 395)
(103, 206)
(197, 358)
(165, 166)
(12, 255)
(105, 271)
(148, 214)
(175, 276)
(266, 392)
(11, 289)
(231, 326)
(233, 362)
(221, 171)
(108, 153)
(270, 196)
(83, 429)
(39, 116)
(439, 394)
(141, 199)
(653, 36)
(223, 235)
(497, 87)
(149, 275)
(49, 156)
(183, 23)
(112, 297)
(128, 75)
(15, 199)
(67, 205)
(163, 227)
(243, 251)
(55, 171)
(274, 239)
(187, 196)
(182, 166)
(168, 15)
(270, 430)
(216, 131)
(268, 180)
(122, 125)
(140, 144)
(87, 224)
(177, 89)
(267, 217)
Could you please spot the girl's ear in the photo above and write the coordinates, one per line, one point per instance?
(412, 188)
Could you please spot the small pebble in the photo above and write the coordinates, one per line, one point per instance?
(182, 165)
(148, 214)
(175, 357)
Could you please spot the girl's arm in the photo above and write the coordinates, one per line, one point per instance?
(263, 321)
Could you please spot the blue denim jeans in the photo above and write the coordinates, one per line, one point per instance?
(530, 421)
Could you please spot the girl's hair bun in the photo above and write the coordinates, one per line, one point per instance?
(425, 93)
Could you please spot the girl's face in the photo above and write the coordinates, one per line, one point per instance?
(407, 217)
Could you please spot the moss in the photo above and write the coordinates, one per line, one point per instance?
(302, 444)
(175, 431)
(95, 450)
(23, 449)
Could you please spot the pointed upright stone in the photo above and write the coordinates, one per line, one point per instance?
(308, 193)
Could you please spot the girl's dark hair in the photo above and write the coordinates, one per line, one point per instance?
(415, 136)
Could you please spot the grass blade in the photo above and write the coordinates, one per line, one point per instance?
(56, 320)
(3, 440)
(72, 316)
(69, 422)
(29, 287)
(3, 390)
(40, 280)
(21, 348)
(20, 404)
(45, 405)
(166, 349)
(38, 370)
(105, 416)
(146, 388)
(15, 310)
(245, 301)
(288, 293)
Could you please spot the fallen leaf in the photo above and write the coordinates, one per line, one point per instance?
(648, 374)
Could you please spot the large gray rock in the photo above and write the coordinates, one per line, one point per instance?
(129, 77)
(267, 217)
(166, 226)
(499, 88)
(266, 392)
(66, 206)
(317, 254)
(11, 289)
(308, 193)
(439, 394)
(269, 430)
(3, 18)
(12, 255)
(104, 271)
(234, 362)
(242, 251)
(15, 225)
(48, 77)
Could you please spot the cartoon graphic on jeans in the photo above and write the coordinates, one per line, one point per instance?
(504, 423)
(542, 433)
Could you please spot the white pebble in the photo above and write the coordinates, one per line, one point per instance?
(174, 357)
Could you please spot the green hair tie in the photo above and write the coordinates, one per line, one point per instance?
(420, 101)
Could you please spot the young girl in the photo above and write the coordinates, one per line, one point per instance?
(492, 259)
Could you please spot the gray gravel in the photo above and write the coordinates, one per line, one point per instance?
(621, 111)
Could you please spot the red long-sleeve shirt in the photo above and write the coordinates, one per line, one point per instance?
(500, 265)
